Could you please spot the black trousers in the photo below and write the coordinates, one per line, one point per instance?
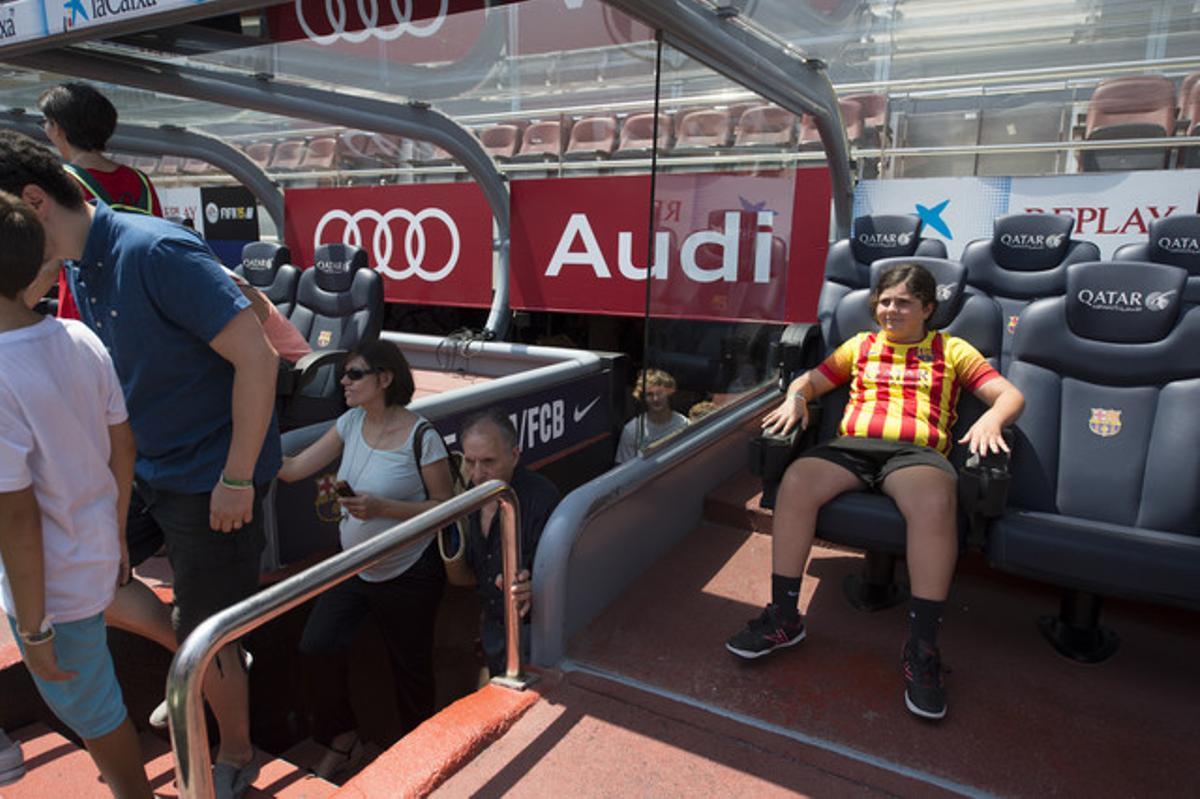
(405, 608)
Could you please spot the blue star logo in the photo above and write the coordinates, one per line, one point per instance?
(753, 207)
(932, 217)
(76, 8)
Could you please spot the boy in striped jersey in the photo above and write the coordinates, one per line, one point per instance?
(903, 384)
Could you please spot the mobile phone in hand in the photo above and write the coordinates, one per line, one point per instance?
(343, 489)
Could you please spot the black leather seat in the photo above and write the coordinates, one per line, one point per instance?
(848, 264)
(1106, 457)
(868, 520)
(1174, 240)
(339, 306)
(1025, 259)
(268, 267)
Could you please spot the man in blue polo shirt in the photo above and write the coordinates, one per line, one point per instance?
(199, 381)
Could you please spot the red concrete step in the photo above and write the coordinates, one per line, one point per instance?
(56, 767)
(735, 504)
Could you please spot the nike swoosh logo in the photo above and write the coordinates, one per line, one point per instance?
(579, 414)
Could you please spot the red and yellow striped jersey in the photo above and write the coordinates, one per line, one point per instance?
(905, 392)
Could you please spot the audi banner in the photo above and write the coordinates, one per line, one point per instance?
(726, 246)
(431, 242)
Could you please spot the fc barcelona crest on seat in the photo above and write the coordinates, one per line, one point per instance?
(1105, 422)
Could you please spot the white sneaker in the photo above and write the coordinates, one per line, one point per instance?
(12, 761)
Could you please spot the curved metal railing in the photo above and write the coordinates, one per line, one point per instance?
(185, 705)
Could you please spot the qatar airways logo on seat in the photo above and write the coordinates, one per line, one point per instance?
(1180, 245)
(1126, 301)
(577, 246)
(885, 240)
(1030, 241)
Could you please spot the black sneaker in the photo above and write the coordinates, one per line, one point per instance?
(924, 695)
(770, 631)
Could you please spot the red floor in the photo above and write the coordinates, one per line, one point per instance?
(1022, 722)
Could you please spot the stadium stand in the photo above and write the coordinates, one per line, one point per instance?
(321, 153)
(637, 136)
(260, 153)
(501, 141)
(287, 156)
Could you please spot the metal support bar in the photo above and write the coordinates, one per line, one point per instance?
(415, 120)
(800, 86)
(185, 705)
(145, 140)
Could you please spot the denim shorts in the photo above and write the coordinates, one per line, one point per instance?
(90, 703)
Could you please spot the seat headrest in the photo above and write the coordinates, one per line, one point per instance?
(951, 279)
(1127, 302)
(884, 236)
(262, 259)
(1031, 242)
(1175, 240)
(336, 265)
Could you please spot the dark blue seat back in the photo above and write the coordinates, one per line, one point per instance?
(1174, 240)
(848, 264)
(1111, 378)
(339, 305)
(1025, 259)
(268, 267)
(960, 312)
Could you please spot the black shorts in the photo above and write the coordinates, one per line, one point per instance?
(873, 459)
(142, 534)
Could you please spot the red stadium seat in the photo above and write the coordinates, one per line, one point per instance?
(702, 130)
(737, 109)
(170, 165)
(1185, 96)
(197, 166)
(874, 109)
(810, 138)
(288, 155)
(320, 154)
(543, 141)
(146, 163)
(637, 135)
(501, 141)
(591, 138)
(766, 126)
(260, 153)
(1136, 107)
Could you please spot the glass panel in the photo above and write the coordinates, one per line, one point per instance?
(739, 235)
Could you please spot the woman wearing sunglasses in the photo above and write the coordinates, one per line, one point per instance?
(380, 483)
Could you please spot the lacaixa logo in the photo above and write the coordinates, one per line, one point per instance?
(1032, 241)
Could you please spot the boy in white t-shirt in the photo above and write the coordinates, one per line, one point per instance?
(66, 467)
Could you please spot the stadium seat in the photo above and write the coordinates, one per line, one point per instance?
(287, 156)
(352, 149)
(592, 138)
(197, 166)
(321, 154)
(1025, 259)
(501, 141)
(1106, 456)
(637, 136)
(1136, 107)
(1184, 97)
(543, 142)
(848, 264)
(268, 267)
(260, 153)
(1174, 240)
(1189, 157)
(737, 109)
(700, 131)
(810, 137)
(874, 109)
(146, 163)
(766, 126)
(869, 520)
(339, 305)
(169, 165)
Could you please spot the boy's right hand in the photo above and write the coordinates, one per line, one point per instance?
(792, 411)
(42, 661)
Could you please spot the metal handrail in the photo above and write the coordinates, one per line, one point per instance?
(185, 705)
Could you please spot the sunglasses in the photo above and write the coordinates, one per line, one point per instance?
(359, 374)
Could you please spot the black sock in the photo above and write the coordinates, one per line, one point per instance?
(924, 618)
(785, 594)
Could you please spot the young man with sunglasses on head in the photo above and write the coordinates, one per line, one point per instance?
(198, 375)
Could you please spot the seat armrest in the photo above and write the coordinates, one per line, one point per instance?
(770, 455)
(983, 483)
(307, 367)
(799, 349)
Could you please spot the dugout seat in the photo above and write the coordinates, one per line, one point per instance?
(1106, 456)
(1025, 259)
(870, 520)
(339, 306)
(268, 267)
(848, 264)
(1173, 240)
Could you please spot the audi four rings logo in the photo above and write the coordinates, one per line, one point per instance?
(383, 242)
(368, 11)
